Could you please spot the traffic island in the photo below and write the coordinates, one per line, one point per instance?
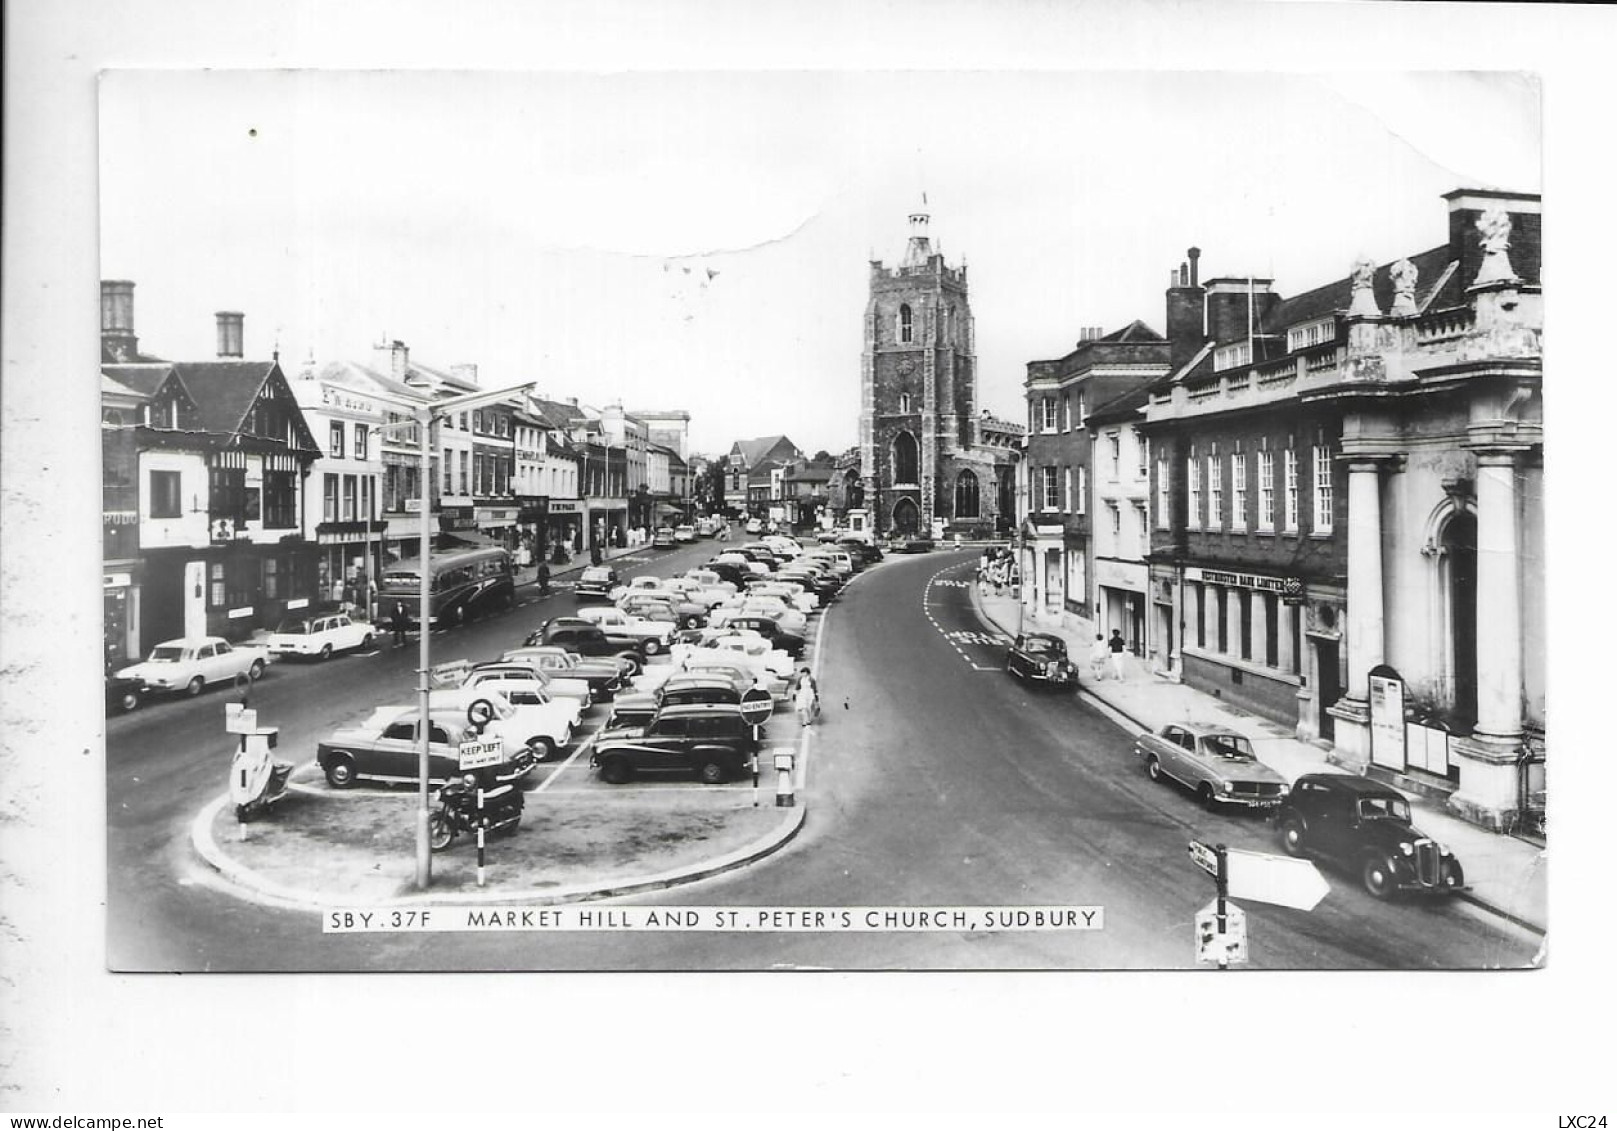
(325, 849)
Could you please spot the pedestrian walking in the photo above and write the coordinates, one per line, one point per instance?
(1097, 658)
(401, 621)
(1116, 646)
(808, 698)
(544, 580)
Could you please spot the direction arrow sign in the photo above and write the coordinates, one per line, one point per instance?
(1274, 879)
(1206, 859)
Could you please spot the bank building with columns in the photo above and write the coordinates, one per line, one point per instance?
(1347, 509)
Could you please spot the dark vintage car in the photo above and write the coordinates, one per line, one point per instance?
(714, 741)
(124, 693)
(574, 634)
(597, 583)
(1041, 659)
(384, 748)
(868, 551)
(1364, 827)
(916, 546)
(791, 643)
(638, 710)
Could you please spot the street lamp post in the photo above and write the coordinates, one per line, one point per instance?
(424, 415)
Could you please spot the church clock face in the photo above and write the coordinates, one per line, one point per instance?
(906, 367)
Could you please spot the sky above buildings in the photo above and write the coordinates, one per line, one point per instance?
(701, 240)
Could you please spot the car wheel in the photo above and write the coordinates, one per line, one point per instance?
(129, 700)
(1153, 768)
(440, 835)
(325, 652)
(1291, 836)
(652, 647)
(1205, 794)
(615, 771)
(543, 748)
(256, 671)
(635, 666)
(365, 644)
(1378, 877)
(340, 772)
(691, 621)
(194, 688)
(711, 773)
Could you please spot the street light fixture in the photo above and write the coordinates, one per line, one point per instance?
(424, 414)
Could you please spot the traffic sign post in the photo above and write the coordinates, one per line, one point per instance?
(1280, 880)
(1223, 946)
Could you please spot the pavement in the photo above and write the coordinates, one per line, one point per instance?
(579, 839)
(1505, 874)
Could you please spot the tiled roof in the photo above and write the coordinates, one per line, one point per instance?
(224, 390)
(1123, 407)
(1336, 296)
(1135, 331)
(761, 448)
(144, 379)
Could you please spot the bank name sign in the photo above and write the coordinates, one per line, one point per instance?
(1288, 586)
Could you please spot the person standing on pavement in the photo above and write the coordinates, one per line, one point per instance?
(808, 697)
(1098, 654)
(544, 579)
(401, 621)
(1116, 646)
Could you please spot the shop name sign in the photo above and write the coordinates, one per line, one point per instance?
(1290, 586)
(339, 398)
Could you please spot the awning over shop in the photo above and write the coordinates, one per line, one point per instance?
(668, 508)
(470, 538)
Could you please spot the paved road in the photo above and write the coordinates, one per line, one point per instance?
(937, 781)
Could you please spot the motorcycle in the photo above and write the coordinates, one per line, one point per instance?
(257, 780)
(458, 810)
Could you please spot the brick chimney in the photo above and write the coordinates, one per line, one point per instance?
(118, 319)
(393, 359)
(1185, 311)
(228, 326)
(1525, 210)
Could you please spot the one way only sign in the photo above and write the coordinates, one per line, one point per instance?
(1274, 879)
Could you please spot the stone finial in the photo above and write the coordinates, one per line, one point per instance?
(1364, 295)
(1404, 277)
(1494, 225)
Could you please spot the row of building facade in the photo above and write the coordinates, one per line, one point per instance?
(1326, 508)
(234, 490)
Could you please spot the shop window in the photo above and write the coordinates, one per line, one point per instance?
(165, 494)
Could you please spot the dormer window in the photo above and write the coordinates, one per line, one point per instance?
(1232, 356)
(1309, 334)
(906, 324)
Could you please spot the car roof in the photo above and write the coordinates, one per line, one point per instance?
(1050, 636)
(680, 710)
(567, 622)
(1350, 783)
(1207, 729)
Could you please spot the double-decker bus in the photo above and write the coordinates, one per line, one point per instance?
(465, 585)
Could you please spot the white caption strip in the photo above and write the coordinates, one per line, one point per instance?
(834, 919)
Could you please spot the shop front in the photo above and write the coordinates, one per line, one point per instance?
(563, 529)
(1120, 591)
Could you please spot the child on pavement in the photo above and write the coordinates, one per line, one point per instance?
(1097, 658)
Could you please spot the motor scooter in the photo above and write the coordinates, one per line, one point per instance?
(459, 812)
(257, 780)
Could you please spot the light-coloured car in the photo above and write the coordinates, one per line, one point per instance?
(526, 717)
(649, 636)
(684, 533)
(1214, 761)
(189, 665)
(319, 637)
(791, 619)
(713, 587)
(794, 593)
(528, 671)
(746, 648)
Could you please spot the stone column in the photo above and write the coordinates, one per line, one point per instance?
(1232, 621)
(1288, 658)
(1210, 616)
(1499, 614)
(1260, 628)
(1366, 641)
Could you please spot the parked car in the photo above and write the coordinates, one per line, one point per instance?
(747, 648)
(529, 670)
(791, 643)
(755, 526)
(597, 583)
(604, 674)
(1041, 659)
(681, 609)
(124, 693)
(713, 587)
(581, 636)
(776, 608)
(1364, 827)
(383, 748)
(649, 636)
(916, 546)
(662, 539)
(794, 591)
(713, 741)
(1215, 762)
(529, 718)
(868, 551)
(684, 534)
(639, 709)
(317, 637)
(188, 665)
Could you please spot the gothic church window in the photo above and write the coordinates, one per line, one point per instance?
(906, 459)
(966, 501)
(903, 402)
(906, 324)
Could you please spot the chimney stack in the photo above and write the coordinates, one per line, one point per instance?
(1194, 254)
(118, 319)
(393, 359)
(228, 325)
(1185, 311)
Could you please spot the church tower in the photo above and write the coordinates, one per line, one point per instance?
(918, 391)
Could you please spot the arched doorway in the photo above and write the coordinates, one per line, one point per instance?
(853, 490)
(906, 517)
(1457, 578)
(906, 459)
